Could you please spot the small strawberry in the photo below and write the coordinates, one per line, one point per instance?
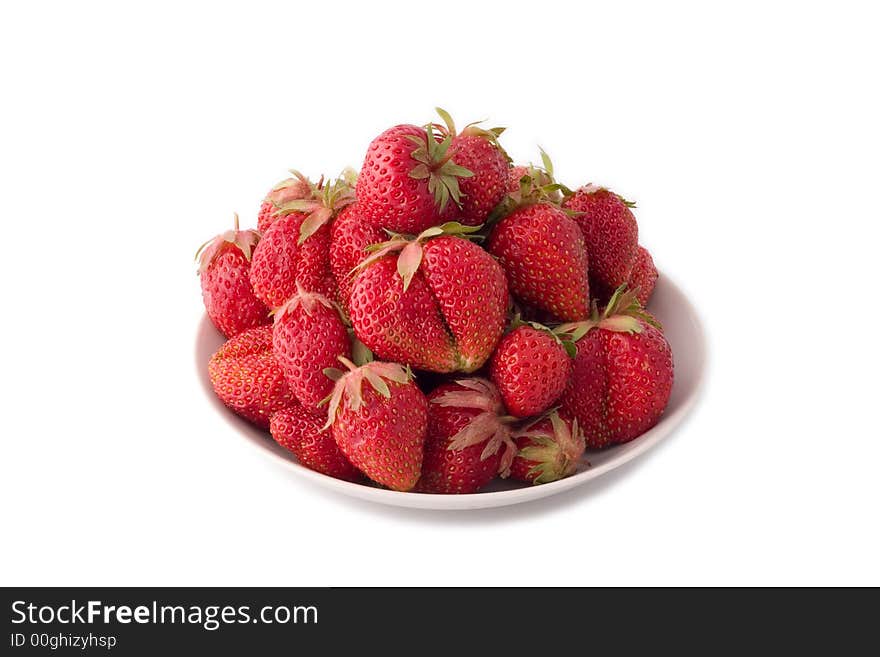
(350, 236)
(224, 268)
(247, 378)
(549, 449)
(622, 374)
(380, 427)
(299, 431)
(644, 276)
(296, 247)
(468, 440)
(440, 305)
(542, 252)
(477, 150)
(611, 235)
(409, 181)
(531, 367)
(308, 338)
(290, 189)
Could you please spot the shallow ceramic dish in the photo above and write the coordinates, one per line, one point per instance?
(685, 335)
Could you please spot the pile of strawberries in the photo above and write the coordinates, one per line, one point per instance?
(439, 319)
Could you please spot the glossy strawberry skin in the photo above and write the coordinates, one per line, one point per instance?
(531, 369)
(279, 262)
(267, 215)
(397, 326)
(387, 195)
(611, 236)
(349, 237)
(542, 253)
(228, 295)
(304, 346)
(644, 276)
(449, 471)
(247, 378)
(299, 431)
(620, 384)
(471, 292)
(449, 319)
(385, 438)
(488, 186)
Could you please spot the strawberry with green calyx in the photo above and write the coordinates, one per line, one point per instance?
(297, 187)
(644, 276)
(477, 150)
(409, 180)
(611, 235)
(468, 441)
(531, 367)
(550, 448)
(350, 236)
(296, 247)
(542, 252)
(247, 378)
(437, 301)
(379, 417)
(299, 431)
(622, 373)
(224, 273)
(529, 184)
(309, 335)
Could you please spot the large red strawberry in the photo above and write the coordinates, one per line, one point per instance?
(440, 305)
(644, 276)
(549, 449)
(296, 429)
(477, 150)
(622, 374)
(290, 189)
(247, 378)
(350, 235)
(531, 367)
(611, 235)
(309, 336)
(379, 417)
(296, 247)
(224, 268)
(468, 440)
(409, 181)
(542, 252)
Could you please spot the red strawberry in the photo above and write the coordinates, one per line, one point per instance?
(514, 175)
(548, 450)
(296, 247)
(644, 276)
(350, 235)
(622, 374)
(468, 440)
(478, 151)
(380, 427)
(247, 378)
(297, 430)
(308, 338)
(542, 252)
(440, 305)
(409, 181)
(611, 235)
(224, 267)
(291, 189)
(531, 368)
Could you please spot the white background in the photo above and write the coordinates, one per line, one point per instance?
(747, 134)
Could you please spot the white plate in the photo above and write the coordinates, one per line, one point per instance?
(685, 335)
